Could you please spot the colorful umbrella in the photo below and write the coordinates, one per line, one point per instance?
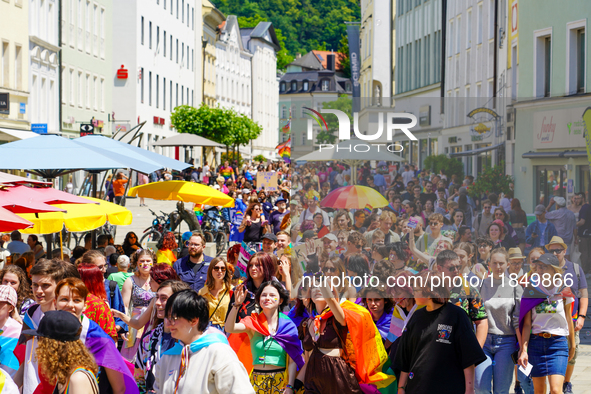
(6, 178)
(79, 217)
(182, 191)
(10, 222)
(45, 195)
(354, 197)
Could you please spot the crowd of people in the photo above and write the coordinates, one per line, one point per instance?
(437, 292)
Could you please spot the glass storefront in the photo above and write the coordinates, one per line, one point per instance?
(582, 184)
(424, 151)
(468, 161)
(551, 182)
(484, 159)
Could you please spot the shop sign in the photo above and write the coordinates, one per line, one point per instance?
(476, 138)
(484, 122)
(39, 128)
(5, 103)
(559, 129)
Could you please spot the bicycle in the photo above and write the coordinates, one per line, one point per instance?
(78, 238)
(215, 228)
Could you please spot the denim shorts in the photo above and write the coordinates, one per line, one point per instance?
(548, 356)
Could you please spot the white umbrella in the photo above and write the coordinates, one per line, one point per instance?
(353, 153)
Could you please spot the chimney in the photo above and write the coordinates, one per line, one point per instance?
(298, 55)
(330, 62)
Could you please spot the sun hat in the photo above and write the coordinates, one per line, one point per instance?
(556, 240)
(515, 253)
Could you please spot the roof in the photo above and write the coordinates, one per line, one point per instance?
(309, 60)
(263, 31)
(230, 23)
(304, 75)
(323, 56)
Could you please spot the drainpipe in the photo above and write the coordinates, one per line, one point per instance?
(443, 45)
(59, 56)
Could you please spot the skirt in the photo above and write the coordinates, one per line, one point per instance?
(269, 382)
(329, 375)
(548, 356)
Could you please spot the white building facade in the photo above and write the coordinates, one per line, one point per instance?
(233, 69)
(155, 43)
(44, 65)
(87, 72)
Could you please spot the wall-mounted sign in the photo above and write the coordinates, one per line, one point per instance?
(484, 122)
(22, 108)
(562, 128)
(4, 103)
(40, 128)
(122, 73)
(86, 129)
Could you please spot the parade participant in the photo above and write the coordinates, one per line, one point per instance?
(285, 275)
(515, 262)
(465, 234)
(387, 219)
(14, 277)
(97, 308)
(428, 242)
(36, 246)
(9, 330)
(518, 219)
(269, 243)
(166, 247)
(71, 295)
(469, 267)
(340, 221)
(121, 276)
(584, 231)
(325, 337)
(277, 215)
(260, 269)
(428, 210)
(485, 245)
(62, 354)
(358, 219)
(497, 232)
(131, 244)
(457, 218)
(312, 208)
(253, 224)
(201, 362)
(227, 172)
(483, 219)
(46, 274)
(283, 240)
(502, 302)
(192, 268)
(465, 295)
(501, 215)
(440, 334)
(547, 331)
(158, 340)
(578, 285)
(276, 351)
(217, 291)
(380, 306)
(424, 260)
(563, 220)
(540, 231)
(138, 290)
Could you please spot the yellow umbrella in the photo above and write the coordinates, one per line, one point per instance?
(182, 191)
(78, 217)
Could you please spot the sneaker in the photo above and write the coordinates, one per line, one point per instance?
(567, 388)
(518, 389)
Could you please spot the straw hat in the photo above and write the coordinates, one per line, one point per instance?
(556, 240)
(515, 253)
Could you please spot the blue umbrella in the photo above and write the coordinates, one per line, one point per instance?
(50, 156)
(137, 159)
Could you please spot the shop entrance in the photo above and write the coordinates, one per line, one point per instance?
(550, 182)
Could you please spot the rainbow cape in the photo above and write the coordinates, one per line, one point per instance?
(8, 340)
(534, 296)
(286, 336)
(370, 354)
(106, 354)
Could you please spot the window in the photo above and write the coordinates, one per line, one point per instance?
(479, 25)
(177, 9)
(142, 30)
(170, 91)
(150, 35)
(177, 96)
(102, 97)
(18, 67)
(80, 25)
(171, 47)
(282, 87)
(157, 91)
(459, 35)
(183, 11)
(294, 85)
(88, 91)
(142, 76)
(95, 30)
(427, 60)
(96, 93)
(72, 86)
(491, 19)
(452, 39)
(80, 89)
(177, 51)
(102, 34)
(182, 95)
(580, 61)
(171, 7)
(469, 30)
(157, 39)
(542, 62)
(575, 57)
(306, 86)
(164, 41)
(325, 85)
(150, 88)
(192, 60)
(547, 64)
(193, 18)
(188, 15)
(164, 90)
(164, 2)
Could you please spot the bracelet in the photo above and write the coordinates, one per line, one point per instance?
(289, 386)
(236, 305)
(583, 316)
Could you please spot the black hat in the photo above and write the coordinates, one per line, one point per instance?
(270, 236)
(280, 200)
(59, 325)
(308, 234)
(548, 259)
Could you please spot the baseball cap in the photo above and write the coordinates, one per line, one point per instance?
(548, 259)
(8, 294)
(245, 191)
(280, 200)
(560, 201)
(331, 236)
(540, 209)
(405, 202)
(270, 236)
(308, 234)
(59, 325)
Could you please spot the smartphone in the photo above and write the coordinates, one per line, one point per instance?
(515, 356)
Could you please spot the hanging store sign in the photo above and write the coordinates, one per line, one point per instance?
(485, 122)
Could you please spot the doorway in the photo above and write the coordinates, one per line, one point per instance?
(550, 182)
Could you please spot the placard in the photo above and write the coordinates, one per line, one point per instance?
(267, 180)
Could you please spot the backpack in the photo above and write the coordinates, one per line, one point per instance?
(112, 288)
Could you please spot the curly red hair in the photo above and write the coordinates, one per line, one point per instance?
(161, 272)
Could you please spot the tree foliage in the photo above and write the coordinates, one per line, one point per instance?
(260, 158)
(448, 165)
(491, 180)
(304, 25)
(221, 125)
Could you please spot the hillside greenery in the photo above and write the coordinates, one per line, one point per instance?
(301, 25)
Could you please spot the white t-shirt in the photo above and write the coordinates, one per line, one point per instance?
(308, 215)
(549, 317)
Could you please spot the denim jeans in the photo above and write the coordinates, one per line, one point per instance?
(498, 370)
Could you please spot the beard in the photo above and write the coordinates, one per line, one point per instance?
(195, 254)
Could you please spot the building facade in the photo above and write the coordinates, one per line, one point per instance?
(261, 41)
(212, 19)
(86, 66)
(44, 70)
(418, 74)
(155, 44)
(551, 107)
(14, 71)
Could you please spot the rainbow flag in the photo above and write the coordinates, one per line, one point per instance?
(8, 340)
(287, 128)
(368, 209)
(284, 150)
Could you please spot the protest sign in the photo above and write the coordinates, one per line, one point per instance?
(267, 180)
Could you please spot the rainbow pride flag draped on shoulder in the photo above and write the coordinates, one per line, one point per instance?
(286, 336)
(535, 295)
(371, 359)
(8, 340)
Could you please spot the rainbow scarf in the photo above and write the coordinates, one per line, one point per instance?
(370, 354)
(286, 336)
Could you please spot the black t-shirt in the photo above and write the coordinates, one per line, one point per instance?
(585, 213)
(428, 196)
(435, 349)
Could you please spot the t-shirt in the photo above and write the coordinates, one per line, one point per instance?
(549, 317)
(120, 278)
(585, 213)
(542, 234)
(226, 172)
(428, 196)
(471, 303)
(119, 186)
(435, 349)
(578, 282)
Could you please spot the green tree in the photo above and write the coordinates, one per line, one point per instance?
(491, 180)
(345, 60)
(448, 165)
(259, 158)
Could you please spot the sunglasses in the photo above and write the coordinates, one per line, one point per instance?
(220, 269)
(556, 251)
(453, 268)
(329, 269)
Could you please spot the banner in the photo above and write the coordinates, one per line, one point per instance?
(244, 256)
(354, 55)
(267, 180)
